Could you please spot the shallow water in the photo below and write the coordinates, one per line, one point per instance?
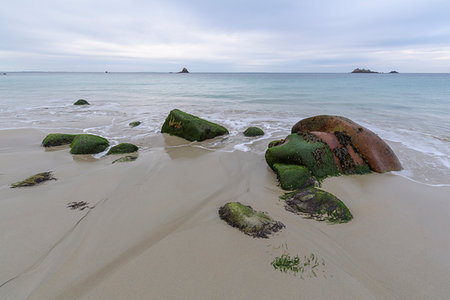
(409, 111)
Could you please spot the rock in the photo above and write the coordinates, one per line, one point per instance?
(253, 131)
(393, 72)
(58, 139)
(358, 70)
(373, 149)
(293, 177)
(123, 148)
(81, 102)
(134, 124)
(303, 149)
(249, 221)
(317, 204)
(33, 180)
(190, 127)
(184, 71)
(125, 159)
(88, 144)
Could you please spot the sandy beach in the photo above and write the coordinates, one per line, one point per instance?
(153, 231)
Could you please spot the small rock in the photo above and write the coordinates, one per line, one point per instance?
(134, 124)
(123, 148)
(34, 180)
(58, 139)
(253, 131)
(125, 159)
(88, 144)
(81, 102)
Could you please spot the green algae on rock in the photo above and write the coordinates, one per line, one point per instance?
(81, 102)
(125, 159)
(123, 148)
(88, 144)
(190, 127)
(58, 139)
(253, 131)
(296, 149)
(34, 180)
(249, 221)
(134, 124)
(317, 204)
(293, 177)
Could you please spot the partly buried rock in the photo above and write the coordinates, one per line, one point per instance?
(88, 144)
(134, 124)
(317, 204)
(249, 221)
(33, 180)
(125, 159)
(306, 150)
(81, 102)
(190, 127)
(293, 177)
(378, 154)
(58, 139)
(253, 131)
(123, 148)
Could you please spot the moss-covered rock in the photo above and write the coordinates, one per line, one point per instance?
(293, 177)
(123, 148)
(125, 159)
(317, 204)
(190, 127)
(253, 131)
(58, 139)
(303, 150)
(249, 221)
(88, 144)
(33, 180)
(81, 102)
(134, 124)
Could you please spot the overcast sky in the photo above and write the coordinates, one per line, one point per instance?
(225, 35)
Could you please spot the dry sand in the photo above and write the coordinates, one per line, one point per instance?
(154, 231)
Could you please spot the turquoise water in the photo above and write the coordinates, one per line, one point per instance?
(410, 111)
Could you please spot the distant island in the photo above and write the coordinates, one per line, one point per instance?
(393, 72)
(358, 70)
(184, 71)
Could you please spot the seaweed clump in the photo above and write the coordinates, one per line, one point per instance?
(317, 204)
(123, 148)
(34, 180)
(58, 139)
(249, 221)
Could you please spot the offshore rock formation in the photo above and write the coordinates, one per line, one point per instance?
(184, 71)
(190, 127)
(358, 70)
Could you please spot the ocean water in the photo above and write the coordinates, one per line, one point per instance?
(411, 112)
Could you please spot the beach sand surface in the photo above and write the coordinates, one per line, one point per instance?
(153, 231)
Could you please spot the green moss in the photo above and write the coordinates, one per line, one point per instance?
(81, 102)
(134, 124)
(293, 177)
(253, 131)
(33, 180)
(125, 159)
(249, 221)
(123, 148)
(190, 127)
(58, 139)
(88, 144)
(316, 156)
(317, 204)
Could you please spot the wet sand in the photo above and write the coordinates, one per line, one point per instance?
(153, 231)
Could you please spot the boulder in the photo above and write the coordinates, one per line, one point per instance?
(123, 148)
(81, 102)
(293, 177)
(33, 180)
(372, 148)
(58, 139)
(190, 127)
(134, 124)
(88, 144)
(303, 149)
(253, 131)
(249, 221)
(317, 204)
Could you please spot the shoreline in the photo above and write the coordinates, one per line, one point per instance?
(154, 231)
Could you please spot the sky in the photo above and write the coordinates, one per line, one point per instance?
(225, 35)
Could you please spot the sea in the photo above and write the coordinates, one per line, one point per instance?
(411, 112)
